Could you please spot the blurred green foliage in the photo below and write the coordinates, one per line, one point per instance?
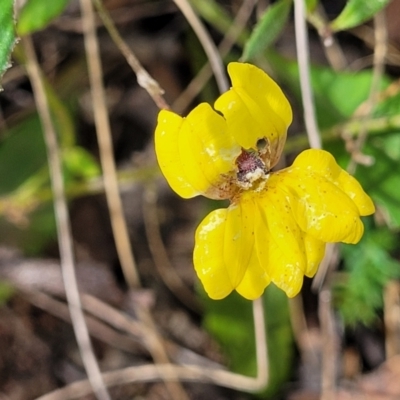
(267, 30)
(311, 5)
(382, 179)
(7, 35)
(37, 14)
(21, 142)
(6, 291)
(26, 214)
(337, 94)
(356, 12)
(369, 268)
(231, 322)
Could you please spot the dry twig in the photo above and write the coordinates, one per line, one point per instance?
(156, 347)
(207, 43)
(198, 82)
(310, 120)
(103, 131)
(368, 35)
(98, 329)
(326, 316)
(159, 253)
(143, 77)
(392, 318)
(380, 52)
(63, 226)
(329, 345)
(151, 373)
(332, 49)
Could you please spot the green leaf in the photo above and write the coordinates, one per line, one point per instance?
(230, 321)
(356, 12)
(382, 180)
(387, 107)
(369, 268)
(7, 35)
(24, 142)
(267, 29)
(79, 163)
(311, 5)
(6, 291)
(37, 14)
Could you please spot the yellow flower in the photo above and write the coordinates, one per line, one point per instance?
(277, 224)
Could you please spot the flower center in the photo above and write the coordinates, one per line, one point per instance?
(252, 172)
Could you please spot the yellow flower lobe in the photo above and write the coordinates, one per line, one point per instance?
(278, 223)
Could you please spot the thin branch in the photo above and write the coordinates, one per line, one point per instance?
(298, 322)
(190, 373)
(391, 314)
(238, 25)
(63, 226)
(329, 261)
(323, 282)
(156, 347)
(122, 321)
(329, 345)
(367, 35)
(99, 329)
(195, 86)
(103, 131)
(326, 317)
(380, 52)
(159, 254)
(260, 336)
(350, 129)
(304, 71)
(143, 77)
(207, 43)
(332, 49)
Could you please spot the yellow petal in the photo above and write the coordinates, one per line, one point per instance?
(208, 256)
(279, 241)
(224, 244)
(354, 190)
(315, 251)
(255, 108)
(254, 281)
(318, 161)
(194, 152)
(238, 242)
(206, 150)
(320, 207)
(323, 163)
(167, 150)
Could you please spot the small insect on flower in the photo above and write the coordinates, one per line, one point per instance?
(278, 223)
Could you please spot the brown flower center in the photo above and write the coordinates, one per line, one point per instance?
(252, 172)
